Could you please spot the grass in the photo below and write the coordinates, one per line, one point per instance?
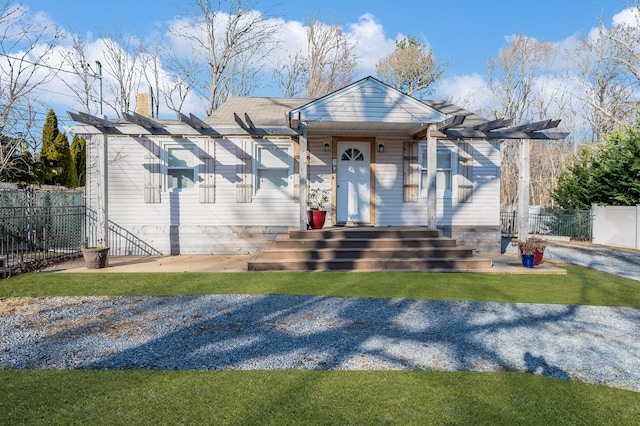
(315, 397)
(319, 397)
(580, 286)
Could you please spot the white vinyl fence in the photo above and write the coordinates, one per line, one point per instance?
(616, 226)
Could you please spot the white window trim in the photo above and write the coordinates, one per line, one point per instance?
(265, 194)
(452, 193)
(195, 167)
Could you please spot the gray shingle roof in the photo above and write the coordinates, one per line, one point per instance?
(272, 112)
(265, 112)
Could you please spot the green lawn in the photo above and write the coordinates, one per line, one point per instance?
(307, 398)
(580, 286)
(319, 397)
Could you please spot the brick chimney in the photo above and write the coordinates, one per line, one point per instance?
(143, 104)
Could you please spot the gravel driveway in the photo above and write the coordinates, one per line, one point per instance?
(591, 344)
(623, 263)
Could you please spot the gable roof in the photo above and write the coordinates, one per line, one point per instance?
(367, 104)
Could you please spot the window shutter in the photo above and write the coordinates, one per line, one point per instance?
(152, 173)
(411, 172)
(244, 187)
(465, 167)
(207, 172)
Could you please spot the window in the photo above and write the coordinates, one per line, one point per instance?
(352, 154)
(181, 167)
(444, 176)
(274, 168)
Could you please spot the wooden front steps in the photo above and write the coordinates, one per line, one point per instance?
(367, 249)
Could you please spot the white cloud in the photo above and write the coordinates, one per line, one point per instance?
(291, 38)
(627, 17)
(372, 44)
(468, 91)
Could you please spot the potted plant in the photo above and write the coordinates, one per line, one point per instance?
(531, 251)
(316, 203)
(95, 257)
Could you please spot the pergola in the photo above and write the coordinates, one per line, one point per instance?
(453, 128)
(501, 129)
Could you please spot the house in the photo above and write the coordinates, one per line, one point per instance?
(239, 179)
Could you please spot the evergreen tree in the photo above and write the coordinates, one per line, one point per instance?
(49, 157)
(574, 187)
(609, 175)
(79, 155)
(68, 176)
(57, 165)
(21, 167)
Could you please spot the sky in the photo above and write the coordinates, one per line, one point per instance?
(463, 33)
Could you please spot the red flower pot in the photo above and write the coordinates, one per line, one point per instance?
(316, 218)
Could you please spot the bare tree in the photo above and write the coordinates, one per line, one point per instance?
(523, 82)
(177, 85)
(25, 47)
(513, 77)
(332, 60)
(626, 38)
(411, 68)
(153, 74)
(233, 39)
(123, 63)
(605, 80)
(82, 86)
(291, 76)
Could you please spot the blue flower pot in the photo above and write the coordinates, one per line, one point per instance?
(527, 260)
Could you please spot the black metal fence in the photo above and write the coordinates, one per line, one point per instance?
(38, 226)
(575, 224)
(37, 232)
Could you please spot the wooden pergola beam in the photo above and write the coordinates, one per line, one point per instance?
(492, 125)
(450, 122)
(495, 129)
(540, 125)
(91, 120)
(193, 122)
(498, 134)
(143, 121)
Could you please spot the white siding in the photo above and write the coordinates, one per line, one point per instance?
(369, 101)
(180, 223)
(484, 210)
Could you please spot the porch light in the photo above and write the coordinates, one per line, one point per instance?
(380, 147)
(327, 147)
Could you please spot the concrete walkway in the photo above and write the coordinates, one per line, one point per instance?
(622, 262)
(502, 264)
